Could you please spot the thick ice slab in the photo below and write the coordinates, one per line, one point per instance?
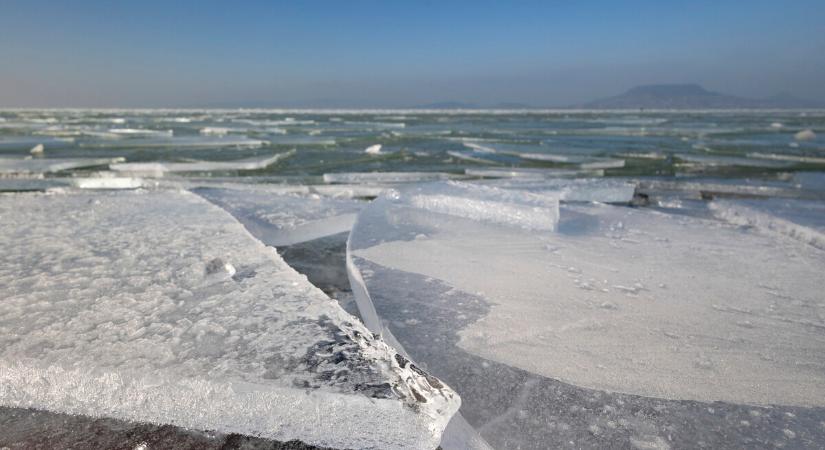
(617, 300)
(49, 165)
(160, 307)
(604, 190)
(279, 218)
(202, 166)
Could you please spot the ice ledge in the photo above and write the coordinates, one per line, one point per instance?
(122, 309)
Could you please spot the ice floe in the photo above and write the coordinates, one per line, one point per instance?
(157, 306)
(803, 220)
(10, 165)
(384, 177)
(202, 166)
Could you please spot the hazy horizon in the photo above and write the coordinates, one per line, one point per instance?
(372, 54)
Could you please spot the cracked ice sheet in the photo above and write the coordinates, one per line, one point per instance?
(621, 299)
(280, 219)
(116, 305)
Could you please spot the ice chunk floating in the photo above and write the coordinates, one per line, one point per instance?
(160, 307)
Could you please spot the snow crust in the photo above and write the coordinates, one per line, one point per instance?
(160, 307)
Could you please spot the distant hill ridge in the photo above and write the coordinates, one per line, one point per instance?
(692, 96)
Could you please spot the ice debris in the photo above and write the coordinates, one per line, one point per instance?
(805, 135)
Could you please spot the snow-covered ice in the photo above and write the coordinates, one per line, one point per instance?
(713, 312)
(669, 308)
(158, 306)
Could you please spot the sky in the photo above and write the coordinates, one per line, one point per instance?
(86, 53)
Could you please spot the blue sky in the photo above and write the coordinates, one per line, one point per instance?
(392, 53)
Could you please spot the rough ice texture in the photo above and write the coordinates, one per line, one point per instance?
(202, 166)
(125, 305)
(49, 165)
(384, 177)
(280, 219)
(620, 299)
(799, 219)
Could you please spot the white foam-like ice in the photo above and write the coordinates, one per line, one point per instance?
(157, 306)
(202, 166)
(617, 299)
(278, 218)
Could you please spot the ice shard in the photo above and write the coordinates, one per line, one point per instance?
(157, 306)
(201, 166)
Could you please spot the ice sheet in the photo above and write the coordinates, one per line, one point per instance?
(180, 142)
(202, 166)
(531, 173)
(279, 219)
(384, 177)
(716, 160)
(160, 307)
(49, 165)
(671, 309)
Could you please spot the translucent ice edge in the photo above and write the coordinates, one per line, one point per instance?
(202, 166)
(49, 165)
(484, 203)
(740, 214)
(384, 177)
(532, 173)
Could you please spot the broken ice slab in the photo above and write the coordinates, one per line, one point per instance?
(279, 219)
(48, 165)
(723, 161)
(531, 173)
(803, 220)
(384, 177)
(583, 162)
(180, 142)
(717, 187)
(669, 309)
(604, 190)
(157, 306)
(785, 157)
(201, 166)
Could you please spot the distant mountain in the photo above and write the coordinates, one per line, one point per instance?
(692, 96)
